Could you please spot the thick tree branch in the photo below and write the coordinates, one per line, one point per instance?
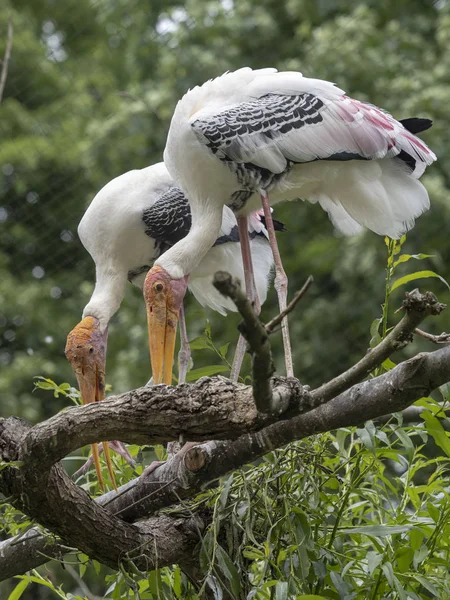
(56, 502)
(176, 480)
(211, 408)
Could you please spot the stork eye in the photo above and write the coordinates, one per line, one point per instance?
(91, 350)
(159, 287)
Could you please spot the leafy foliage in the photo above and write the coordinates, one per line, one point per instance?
(358, 513)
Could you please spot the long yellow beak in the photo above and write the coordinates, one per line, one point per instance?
(163, 299)
(93, 390)
(162, 322)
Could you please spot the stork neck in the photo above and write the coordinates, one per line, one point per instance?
(184, 256)
(107, 296)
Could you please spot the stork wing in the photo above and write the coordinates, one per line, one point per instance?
(277, 129)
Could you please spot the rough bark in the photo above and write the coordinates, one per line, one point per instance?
(51, 498)
(177, 479)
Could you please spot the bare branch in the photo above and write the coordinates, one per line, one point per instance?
(270, 326)
(442, 338)
(52, 499)
(7, 56)
(256, 335)
(418, 307)
(211, 408)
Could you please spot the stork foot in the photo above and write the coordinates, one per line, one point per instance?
(178, 457)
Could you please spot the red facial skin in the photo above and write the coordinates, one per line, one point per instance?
(163, 299)
(86, 353)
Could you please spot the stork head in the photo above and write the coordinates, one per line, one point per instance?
(163, 299)
(86, 353)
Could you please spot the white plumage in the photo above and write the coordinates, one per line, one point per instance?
(293, 137)
(114, 233)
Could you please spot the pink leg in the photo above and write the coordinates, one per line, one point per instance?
(252, 293)
(238, 358)
(281, 283)
(249, 274)
(185, 351)
(178, 455)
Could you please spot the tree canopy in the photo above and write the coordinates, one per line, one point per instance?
(90, 90)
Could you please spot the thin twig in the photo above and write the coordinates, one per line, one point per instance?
(270, 326)
(256, 335)
(5, 61)
(418, 306)
(442, 338)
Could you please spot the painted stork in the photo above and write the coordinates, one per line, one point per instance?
(131, 222)
(247, 134)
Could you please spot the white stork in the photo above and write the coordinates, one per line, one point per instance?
(245, 135)
(131, 222)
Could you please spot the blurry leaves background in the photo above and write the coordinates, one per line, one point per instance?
(90, 91)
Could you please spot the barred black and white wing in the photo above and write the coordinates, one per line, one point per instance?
(168, 220)
(274, 131)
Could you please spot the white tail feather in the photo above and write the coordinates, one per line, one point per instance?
(381, 195)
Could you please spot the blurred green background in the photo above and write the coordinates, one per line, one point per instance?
(91, 88)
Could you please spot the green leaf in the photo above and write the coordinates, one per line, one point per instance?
(12, 464)
(420, 555)
(206, 372)
(435, 429)
(225, 490)
(415, 538)
(367, 438)
(403, 258)
(228, 569)
(215, 588)
(388, 364)
(281, 590)
(373, 560)
(404, 558)
(19, 589)
(223, 350)
(389, 573)
(377, 530)
(41, 581)
(428, 586)
(253, 553)
(417, 275)
(310, 597)
(96, 566)
(406, 441)
(375, 337)
(200, 343)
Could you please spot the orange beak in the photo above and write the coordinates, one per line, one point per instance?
(86, 352)
(163, 298)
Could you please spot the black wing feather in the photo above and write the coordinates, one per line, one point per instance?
(271, 115)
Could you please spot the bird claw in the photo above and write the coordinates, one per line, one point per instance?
(152, 467)
(174, 451)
